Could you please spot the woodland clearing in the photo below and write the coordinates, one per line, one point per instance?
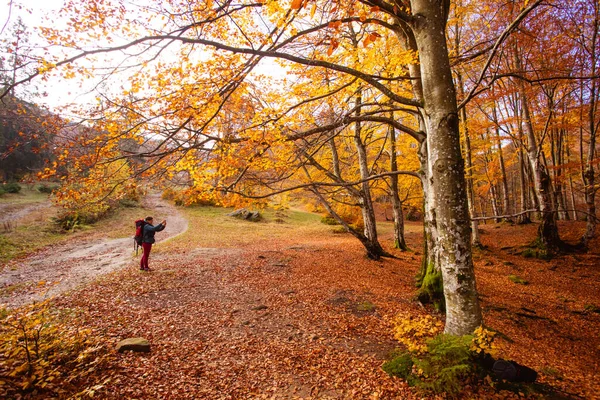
(285, 308)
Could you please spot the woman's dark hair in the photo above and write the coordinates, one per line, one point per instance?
(149, 219)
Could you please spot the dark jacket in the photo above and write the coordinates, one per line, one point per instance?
(149, 231)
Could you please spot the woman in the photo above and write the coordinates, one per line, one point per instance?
(148, 239)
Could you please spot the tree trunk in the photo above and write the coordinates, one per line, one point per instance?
(429, 279)
(399, 241)
(374, 250)
(446, 168)
(589, 175)
(493, 192)
(475, 238)
(573, 203)
(548, 231)
(366, 202)
(548, 237)
(505, 194)
(523, 181)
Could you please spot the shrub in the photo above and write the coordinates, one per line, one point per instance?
(484, 342)
(400, 365)
(413, 332)
(43, 349)
(170, 194)
(129, 203)
(12, 187)
(327, 220)
(72, 220)
(45, 188)
(413, 214)
(87, 197)
(437, 362)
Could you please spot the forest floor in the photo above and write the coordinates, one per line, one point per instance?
(285, 308)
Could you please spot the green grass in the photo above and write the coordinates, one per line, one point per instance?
(26, 238)
(211, 227)
(27, 195)
(518, 280)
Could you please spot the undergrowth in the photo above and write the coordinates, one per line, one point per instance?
(537, 250)
(44, 352)
(434, 361)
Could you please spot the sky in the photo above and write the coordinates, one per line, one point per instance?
(35, 13)
(59, 92)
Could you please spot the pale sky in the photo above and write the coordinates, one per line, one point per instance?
(33, 14)
(45, 12)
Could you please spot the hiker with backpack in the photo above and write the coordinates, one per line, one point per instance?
(145, 235)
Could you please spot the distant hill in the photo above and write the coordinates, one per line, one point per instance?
(26, 138)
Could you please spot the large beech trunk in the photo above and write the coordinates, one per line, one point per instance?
(446, 168)
(429, 279)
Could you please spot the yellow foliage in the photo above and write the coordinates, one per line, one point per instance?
(89, 194)
(414, 332)
(483, 342)
(42, 348)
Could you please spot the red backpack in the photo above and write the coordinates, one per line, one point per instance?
(139, 234)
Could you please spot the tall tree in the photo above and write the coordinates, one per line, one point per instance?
(178, 101)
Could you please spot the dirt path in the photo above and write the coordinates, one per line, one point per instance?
(59, 268)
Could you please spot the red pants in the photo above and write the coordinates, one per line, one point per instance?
(146, 255)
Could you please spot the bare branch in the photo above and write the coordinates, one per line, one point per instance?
(499, 42)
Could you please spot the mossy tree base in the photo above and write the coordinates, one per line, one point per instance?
(431, 287)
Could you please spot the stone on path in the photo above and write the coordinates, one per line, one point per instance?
(138, 344)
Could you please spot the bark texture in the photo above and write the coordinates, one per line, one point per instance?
(399, 241)
(446, 168)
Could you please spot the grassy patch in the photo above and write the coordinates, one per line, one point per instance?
(25, 196)
(211, 227)
(329, 221)
(537, 250)
(518, 280)
(366, 306)
(591, 308)
(6, 291)
(25, 239)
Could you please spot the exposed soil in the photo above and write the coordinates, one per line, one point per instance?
(56, 269)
